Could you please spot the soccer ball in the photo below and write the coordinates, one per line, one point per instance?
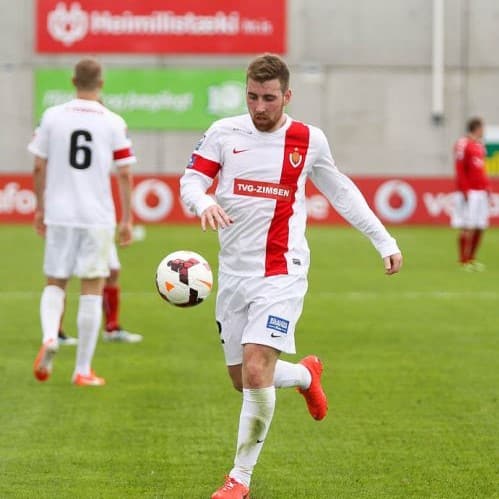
(184, 278)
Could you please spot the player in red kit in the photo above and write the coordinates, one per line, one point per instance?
(471, 210)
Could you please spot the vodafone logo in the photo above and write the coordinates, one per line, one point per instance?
(67, 25)
(13, 199)
(395, 201)
(152, 200)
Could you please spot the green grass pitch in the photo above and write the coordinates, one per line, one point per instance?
(411, 371)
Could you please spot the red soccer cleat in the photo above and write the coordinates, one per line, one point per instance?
(42, 367)
(88, 380)
(232, 489)
(314, 395)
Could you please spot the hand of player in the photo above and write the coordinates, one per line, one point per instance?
(392, 263)
(38, 224)
(215, 217)
(125, 234)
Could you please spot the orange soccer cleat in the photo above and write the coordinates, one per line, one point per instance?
(314, 395)
(232, 489)
(88, 379)
(42, 367)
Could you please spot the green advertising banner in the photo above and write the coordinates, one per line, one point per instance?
(155, 99)
(492, 146)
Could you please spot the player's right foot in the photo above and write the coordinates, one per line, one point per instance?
(477, 266)
(314, 395)
(121, 336)
(42, 367)
(231, 489)
(88, 379)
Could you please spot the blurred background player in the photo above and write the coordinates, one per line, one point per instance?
(113, 332)
(471, 207)
(75, 148)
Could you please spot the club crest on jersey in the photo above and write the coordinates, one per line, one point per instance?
(295, 158)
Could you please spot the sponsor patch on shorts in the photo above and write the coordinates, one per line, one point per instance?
(278, 324)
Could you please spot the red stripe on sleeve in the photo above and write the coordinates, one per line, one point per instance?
(204, 166)
(295, 151)
(122, 154)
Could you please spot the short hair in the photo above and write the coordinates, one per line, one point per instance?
(269, 67)
(87, 74)
(474, 123)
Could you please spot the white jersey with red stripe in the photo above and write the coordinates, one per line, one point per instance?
(81, 141)
(261, 186)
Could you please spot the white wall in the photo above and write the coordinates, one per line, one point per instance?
(361, 70)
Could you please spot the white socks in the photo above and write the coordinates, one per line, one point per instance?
(287, 375)
(51, 309)
(88, 320)
(256, 415)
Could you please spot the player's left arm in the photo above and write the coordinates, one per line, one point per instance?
(393, 263)
(125, 183)
(123, 158)
(349, 202)
(39, 178)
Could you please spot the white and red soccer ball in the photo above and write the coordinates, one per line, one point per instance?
(184, 278)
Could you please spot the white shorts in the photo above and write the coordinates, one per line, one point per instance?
(82, 252)
(114, 261)
(260, 310)
(470, 213)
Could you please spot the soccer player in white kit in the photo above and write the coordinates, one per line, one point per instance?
(262, 160)
(111, 298)
(75, 148)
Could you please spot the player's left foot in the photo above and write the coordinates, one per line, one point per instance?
(88, 379)
(121, 336)
(64, 339)
(314, 395)
(231, 489)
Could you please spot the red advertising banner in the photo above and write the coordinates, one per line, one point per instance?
(156, 200)
(161, 26)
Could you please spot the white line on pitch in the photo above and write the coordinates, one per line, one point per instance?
(351, 295)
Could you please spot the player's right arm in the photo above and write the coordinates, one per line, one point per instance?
(460, 151)
(39, 147)
(203, 167)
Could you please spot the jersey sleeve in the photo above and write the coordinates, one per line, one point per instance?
(204, 165)
(348, 201)
(39, 144)
(122, 145)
